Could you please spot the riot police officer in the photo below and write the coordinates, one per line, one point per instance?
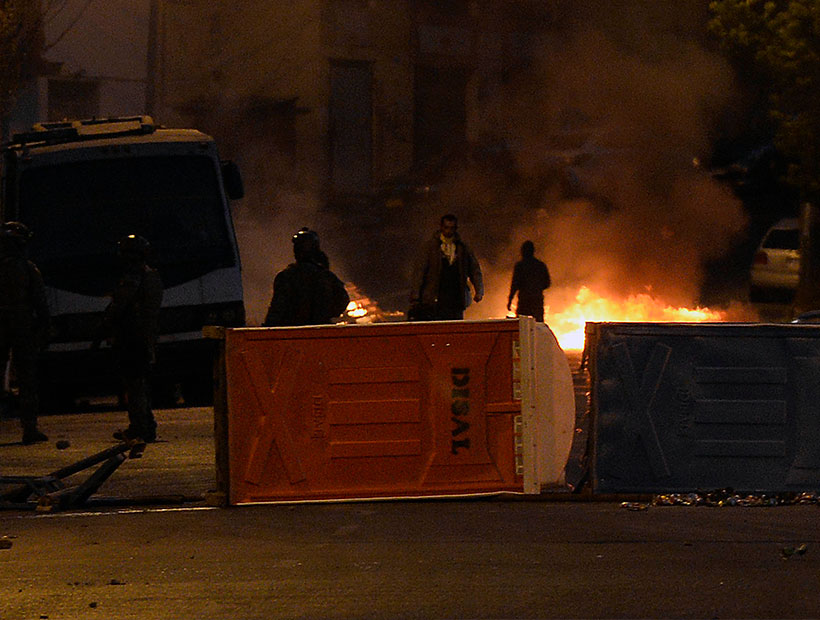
(24, 320)
(306, 292)
(132, 320)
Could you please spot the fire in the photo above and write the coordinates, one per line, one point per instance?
(362, 309)
(355, 310)
(568, 323)
(567, 319)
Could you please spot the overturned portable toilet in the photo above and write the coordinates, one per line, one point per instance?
(391, 410)
(689, 407)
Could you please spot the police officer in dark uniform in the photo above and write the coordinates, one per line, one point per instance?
(132, 323)
(306, 292)
(24, 320)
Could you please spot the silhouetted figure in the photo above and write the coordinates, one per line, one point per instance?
(132, 321)
(24, 320)
(439, 290)
(306, 292)
(530, 279)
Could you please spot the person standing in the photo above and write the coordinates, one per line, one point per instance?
(132, 321)
(306, 292)
(24, 322)
(530, 279)
(439, 289)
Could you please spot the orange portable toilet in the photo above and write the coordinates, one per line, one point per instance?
(391, 410)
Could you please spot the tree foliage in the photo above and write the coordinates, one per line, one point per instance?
(781, 39)
(20, 43)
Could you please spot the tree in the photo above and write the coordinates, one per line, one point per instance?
(20, 46)
(781, 40)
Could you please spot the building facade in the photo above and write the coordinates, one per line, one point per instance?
(347, 93)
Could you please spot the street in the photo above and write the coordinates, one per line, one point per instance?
(128, 556)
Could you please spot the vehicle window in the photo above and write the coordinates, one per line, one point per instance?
(783, 239)
(79, 211)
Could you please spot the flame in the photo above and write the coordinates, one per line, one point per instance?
(362, 309)
(356, 310)
(568, 323)
(568, 318)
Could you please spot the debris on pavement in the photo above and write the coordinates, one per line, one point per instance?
(726, 497)
(635, 506)
(788, 552)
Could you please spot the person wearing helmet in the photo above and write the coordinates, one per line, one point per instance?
(307, 292)
(132, 324)
(24, 320)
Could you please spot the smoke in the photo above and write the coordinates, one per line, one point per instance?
(279, 200)
(619, 133)
(597, 150)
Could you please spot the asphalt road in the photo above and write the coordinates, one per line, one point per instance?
(130, 556)
(419, 559)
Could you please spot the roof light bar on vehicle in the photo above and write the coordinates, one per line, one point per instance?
(86, 129)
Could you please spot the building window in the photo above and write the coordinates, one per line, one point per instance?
(351, 127)
(440, 114)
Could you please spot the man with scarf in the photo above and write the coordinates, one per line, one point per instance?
(440, 291)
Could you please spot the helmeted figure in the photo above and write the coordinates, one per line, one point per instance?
(132, 323)
(530, 279)
(24, 322)
(306, 292)
(439, 289)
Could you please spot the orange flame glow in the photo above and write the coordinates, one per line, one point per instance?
(567, 312)
(362, 309)
(568, 323)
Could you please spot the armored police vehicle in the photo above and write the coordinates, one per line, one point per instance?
(82, 185)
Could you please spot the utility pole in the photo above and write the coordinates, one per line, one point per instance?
(152, 58)
(808, 287)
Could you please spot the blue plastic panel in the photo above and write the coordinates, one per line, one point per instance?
(686, 407)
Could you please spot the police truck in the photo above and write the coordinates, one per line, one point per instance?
(81, 186)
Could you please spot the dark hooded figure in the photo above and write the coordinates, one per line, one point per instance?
(530, 278)
(306, 292)
(132, 320)
(24, 319)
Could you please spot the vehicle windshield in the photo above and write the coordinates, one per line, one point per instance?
(783, 239)
(78, 211)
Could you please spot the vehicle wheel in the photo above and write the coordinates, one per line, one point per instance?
(165, 395)
(198, 393)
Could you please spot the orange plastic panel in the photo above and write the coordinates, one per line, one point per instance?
(365, 411)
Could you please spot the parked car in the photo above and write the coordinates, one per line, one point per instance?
(812, 316)
(776, 266)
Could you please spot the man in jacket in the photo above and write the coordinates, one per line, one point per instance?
(439, 290)
(24, 319)
(530, 278)
(306, 292)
